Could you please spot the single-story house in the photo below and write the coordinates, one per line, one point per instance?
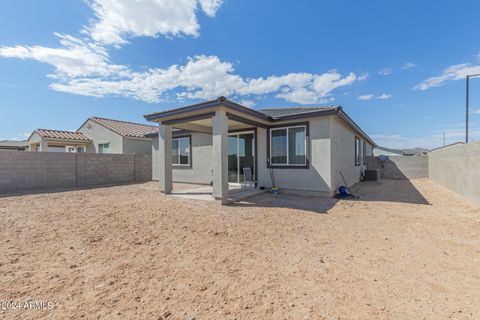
(95, 135)
(13, 145)
(304, 148)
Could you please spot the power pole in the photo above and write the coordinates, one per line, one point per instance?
(466, 104)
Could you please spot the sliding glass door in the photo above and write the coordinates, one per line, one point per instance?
(241, 154)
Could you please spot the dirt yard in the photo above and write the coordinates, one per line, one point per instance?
(401, 251)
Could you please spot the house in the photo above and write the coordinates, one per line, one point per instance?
(95, 135)
(304, 148)
(13, 145)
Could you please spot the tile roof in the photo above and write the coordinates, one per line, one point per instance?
(59, 134)
(125, 128)
(282, 112)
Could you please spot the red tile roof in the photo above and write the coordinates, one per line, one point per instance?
(59, 134)
(125, 128)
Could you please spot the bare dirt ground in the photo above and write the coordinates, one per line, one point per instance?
(401, 251)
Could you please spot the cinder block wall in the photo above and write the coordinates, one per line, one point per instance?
(21, 170)
(457, 168)
(400, 167)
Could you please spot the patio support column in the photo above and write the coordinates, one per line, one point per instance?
(165, 158)
(43, 146)
(220, 156)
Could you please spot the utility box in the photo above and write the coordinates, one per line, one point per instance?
(372, 175)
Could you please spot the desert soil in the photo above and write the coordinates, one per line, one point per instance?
(403, 250)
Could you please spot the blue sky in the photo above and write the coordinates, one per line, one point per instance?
(397, 67)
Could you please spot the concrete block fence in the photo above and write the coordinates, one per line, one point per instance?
(21, 171)
(400, 167)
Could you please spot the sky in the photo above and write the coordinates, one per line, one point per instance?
(396, 67)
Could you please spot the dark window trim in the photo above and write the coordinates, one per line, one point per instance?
(307, 151)
(255, 141)
(182, 166)
(357, 159)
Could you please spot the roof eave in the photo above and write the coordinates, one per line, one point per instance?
(222, 101)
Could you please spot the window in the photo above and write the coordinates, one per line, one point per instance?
(288, 146)
(80, 149)
(104, 148)
(364, 152)
(181, 151)
(357, 151)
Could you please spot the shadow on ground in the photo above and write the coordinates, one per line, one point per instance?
(398, 191)
(402, 191)
(290, 201)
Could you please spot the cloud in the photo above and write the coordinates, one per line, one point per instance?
(451, 73)
(83, 66)
(430, 140)
(408, 65)
(207, 77)
(385, 71)
(368, 97)
(115, 20)
(475, 111)
(74, 59)
(363, 76)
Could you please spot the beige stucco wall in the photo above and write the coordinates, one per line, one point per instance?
(136, 145)
(457, 168)
(201, 170)
(99, 134)
(317, 177)
(343, 154)
(331, 148)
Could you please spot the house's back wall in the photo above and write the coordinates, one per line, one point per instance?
(201, 169)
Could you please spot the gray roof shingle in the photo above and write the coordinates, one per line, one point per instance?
(282, 112)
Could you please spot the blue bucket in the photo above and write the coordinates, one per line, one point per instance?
(343, 191)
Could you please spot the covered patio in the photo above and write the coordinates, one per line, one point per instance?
(236, 192)
(231, 126)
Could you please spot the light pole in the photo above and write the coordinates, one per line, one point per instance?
(467, 107)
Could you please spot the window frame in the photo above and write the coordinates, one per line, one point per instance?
(184, 165)
(358, 147)
(286, 127)
(103, 148)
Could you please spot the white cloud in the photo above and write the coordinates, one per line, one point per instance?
(385, 71)
(74, 59)
(115, 20)
(363, 76)
(207, 77)
(83, 66)
(408, 65)
(430, 140)
(452, 73)
(475, 111)
(384, 96)
(367, 97)
(247, 103)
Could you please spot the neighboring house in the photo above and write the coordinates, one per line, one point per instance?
(114, 136)
(47, 140)
(306, 147)
(13, 145)
(95, 135)
(381, 151)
